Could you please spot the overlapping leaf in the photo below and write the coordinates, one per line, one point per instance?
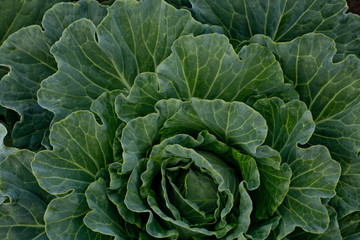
(27, 53)
(332, 94)
(206, 67)
(23, 201)
(282, 20)
(94, 60)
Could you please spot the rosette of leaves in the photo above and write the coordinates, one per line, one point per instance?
(72, 68)
(191, 162)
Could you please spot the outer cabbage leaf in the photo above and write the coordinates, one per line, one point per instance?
(206, 67)
(332, 232)
(17, 14)
(82, 149)
(332, 94)
(27, 53)
(104, 217)
(24, 202)
(315, 176)
(95, 60)
(282, 20)
(64, 218)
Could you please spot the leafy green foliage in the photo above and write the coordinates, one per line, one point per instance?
(179, 119)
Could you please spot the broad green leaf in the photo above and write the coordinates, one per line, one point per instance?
(235, 123)
(350, 226)
(61, 15)
(27, 53)
(207, 67)
(17, 14)
(332, 232)
(140, 134)
(104, 107)
(332, 94)
(289, 124)
(347, 199)
(4, 151)
(282, 20)
(81, 149)
(64, 219)
(272, 191)
(95, 60)
(141, 99)
(30, 64)
(315, 176)
(22, 210)
(104, 217)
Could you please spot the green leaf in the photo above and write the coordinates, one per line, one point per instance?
(262, 229)
(4, 151)
(347, 199)
(272, 191)
(104, 217)
(332, 232)
(23, 201)
(332, 94)
(289, 124)
(81, 149)
(61, 15)
(207, 67)
(282, 20)
(141, 133)
(88, 67)
(350, 226)
(27, 53)
(234, 123)
(104, 107)
(64, 219)
(315, 176)
(29, 65)
(17, 14)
